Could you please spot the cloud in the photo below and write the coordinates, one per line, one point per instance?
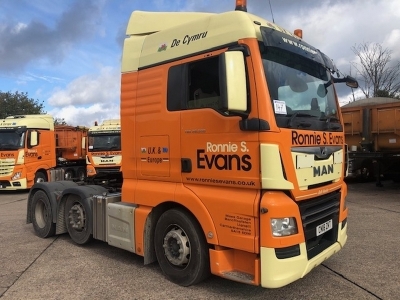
(88, 98)
(101, 87)
(22, 43)
(392, 41)
(86, 116)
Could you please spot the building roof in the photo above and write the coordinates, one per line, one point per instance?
(371, 101)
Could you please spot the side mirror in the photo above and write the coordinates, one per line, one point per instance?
(33, 139)
(351, 82)
(233, 81)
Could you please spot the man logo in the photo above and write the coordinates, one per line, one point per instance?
(323, 170)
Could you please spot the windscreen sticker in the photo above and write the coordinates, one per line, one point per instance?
(280, 107)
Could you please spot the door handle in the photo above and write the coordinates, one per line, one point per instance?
(186, 165)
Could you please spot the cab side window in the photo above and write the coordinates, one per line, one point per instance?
(194, 85)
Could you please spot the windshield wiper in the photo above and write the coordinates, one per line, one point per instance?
(301, 123)
(330, 125)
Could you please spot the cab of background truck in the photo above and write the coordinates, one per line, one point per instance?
(26, 150)
(237, 120)
(104, 148)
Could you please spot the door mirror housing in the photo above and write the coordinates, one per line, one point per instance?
(33, 139)
(233, 86)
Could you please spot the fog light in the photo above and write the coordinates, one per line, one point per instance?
(283, 226)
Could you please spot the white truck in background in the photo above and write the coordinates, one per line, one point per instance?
(104, 152)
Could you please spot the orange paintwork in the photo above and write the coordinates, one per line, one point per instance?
(384, 128)
(224, 260)
(45, 150)
(64, 142)
(68, 140)
(225, 202)
(141, 213)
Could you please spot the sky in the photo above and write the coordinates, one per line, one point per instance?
(66, 54)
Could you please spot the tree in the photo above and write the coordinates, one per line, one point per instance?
(381, 75)
(60, 121)
(19, 104)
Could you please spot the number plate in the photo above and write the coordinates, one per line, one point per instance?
(324, 227)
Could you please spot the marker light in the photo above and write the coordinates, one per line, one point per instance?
(298, 33)
(241, 5)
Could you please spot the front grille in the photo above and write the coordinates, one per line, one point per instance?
(315, 212)
(6, 166)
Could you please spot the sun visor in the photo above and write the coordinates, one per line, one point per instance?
(281, 40)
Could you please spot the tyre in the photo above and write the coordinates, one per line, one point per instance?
(78, 218)
(40, 177)
(42, 218)
(181, 248)
(367, 172)
(69, 174)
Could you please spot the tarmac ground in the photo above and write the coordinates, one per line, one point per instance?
(55, 268)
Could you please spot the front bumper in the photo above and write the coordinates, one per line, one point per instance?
(276, 272)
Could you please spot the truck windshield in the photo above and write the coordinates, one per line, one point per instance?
(104, 142)
(301, 91)
(12, 139)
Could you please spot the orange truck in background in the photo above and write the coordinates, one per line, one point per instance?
(104, 153)
(233, 153)
(372, 129)
(33, 150)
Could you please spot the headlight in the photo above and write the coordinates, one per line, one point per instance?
(16, 176)
(283, 226)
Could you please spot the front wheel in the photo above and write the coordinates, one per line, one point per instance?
(42, 218)
(78, 218)
(40, 177)
(181, 248)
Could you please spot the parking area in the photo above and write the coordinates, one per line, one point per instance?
(55, 268)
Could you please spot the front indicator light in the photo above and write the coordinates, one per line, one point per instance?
(16, 176)
(283, 226)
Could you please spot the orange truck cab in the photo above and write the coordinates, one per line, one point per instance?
(33, 150)
(233, 153)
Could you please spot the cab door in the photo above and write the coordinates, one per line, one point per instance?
(220, 163)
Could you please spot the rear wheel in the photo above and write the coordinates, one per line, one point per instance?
(69, 174)
(40, 177)
(181, 248)
(81, 174)
(367, 171)
(42, 218)
(78, 218)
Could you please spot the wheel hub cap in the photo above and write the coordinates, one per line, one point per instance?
(176, 247)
